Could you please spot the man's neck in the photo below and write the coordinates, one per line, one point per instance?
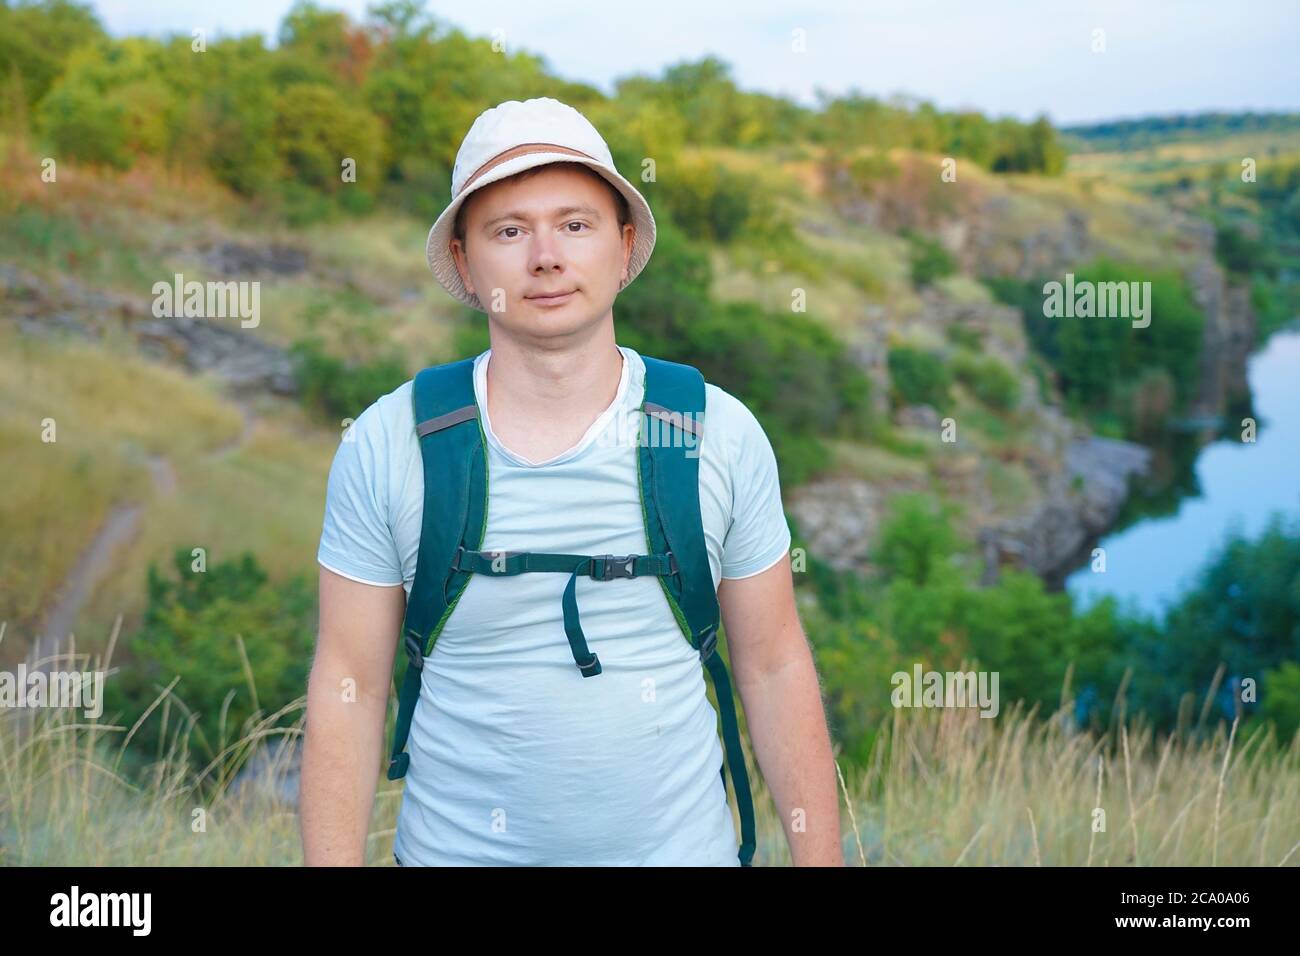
(541, 402)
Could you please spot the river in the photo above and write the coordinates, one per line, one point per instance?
(1152, 562)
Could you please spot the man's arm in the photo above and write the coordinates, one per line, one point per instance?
(778, 687)
(347, 701)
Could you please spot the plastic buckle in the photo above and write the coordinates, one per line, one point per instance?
(613, 566)
(592, 667)
(672, 562)
(708, 643)
(414, 650)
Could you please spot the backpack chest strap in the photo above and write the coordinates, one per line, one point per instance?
(599, 567)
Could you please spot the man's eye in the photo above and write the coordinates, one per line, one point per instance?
(504, 228)
(576, 223)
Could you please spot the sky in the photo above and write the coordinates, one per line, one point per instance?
(1003, 57)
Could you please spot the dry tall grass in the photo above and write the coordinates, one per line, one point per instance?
(946, 787)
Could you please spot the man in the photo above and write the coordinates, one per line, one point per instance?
(515, 759)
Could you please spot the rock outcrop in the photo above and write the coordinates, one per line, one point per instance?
(1081, 502)
(65, 306)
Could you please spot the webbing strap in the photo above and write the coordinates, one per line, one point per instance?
(600, 567)
(735, 754)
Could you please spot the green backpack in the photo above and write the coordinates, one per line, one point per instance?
(454, 452)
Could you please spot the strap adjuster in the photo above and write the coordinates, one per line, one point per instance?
(613, 566)
(708, 643)
(592, 667)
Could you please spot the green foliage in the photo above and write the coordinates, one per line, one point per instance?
(192, 629)
(787, 368)
(37, 38)
(316, 129)
(1147, 403)
(398, 90)
(1027, 149)
(871, 170)
(965, 337)
(919, 378)
(713, 110)
(1004, 145)
(81, 125)
(338, 389)
(1276, 304)
(230, 121)
(1098, 360)
(930, 261)
(1243, 612)
(1154, 130)
(991, 380)
(710, 203)
(916, 539)
(1240, 254)
(1280, 698)
(925, 607)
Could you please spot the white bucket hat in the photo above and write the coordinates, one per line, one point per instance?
(514, 136)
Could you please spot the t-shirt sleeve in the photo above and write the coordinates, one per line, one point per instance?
(356, 537)
(758, 534)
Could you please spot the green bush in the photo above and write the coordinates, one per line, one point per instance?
(1097, 360)
(918, 377)
(1279, 691)
(708, 202)
(930, 261)
(82, 126)
(990, 379)
(192, 629)
(1242, 255)
(965, 337)
(316, 129)
(338, 389)
(916, 539)
(1244, 613)
(791, 371)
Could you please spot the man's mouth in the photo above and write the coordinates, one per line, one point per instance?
(555, 298)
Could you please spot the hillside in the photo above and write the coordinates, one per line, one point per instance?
(82, 347)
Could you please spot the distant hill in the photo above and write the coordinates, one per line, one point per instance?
(1156, 130)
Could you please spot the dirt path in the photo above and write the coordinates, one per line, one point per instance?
(118, 529)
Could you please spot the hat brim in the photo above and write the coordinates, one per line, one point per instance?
(438, 247)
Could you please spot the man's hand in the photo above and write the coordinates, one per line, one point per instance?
(347, 701)
(778, 687)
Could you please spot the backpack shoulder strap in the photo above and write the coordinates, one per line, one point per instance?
(668, 462)
(454, 454)
(669, 470)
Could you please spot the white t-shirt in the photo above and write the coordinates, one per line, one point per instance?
(516, 758)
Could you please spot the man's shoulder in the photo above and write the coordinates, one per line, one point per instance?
(386, 420)
(392, 406)
(727, 416)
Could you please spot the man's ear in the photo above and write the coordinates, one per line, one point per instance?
(459, 256)
(629, 242)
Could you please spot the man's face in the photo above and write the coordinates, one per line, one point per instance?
(554, 232)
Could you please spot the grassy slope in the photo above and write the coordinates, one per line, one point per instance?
(367, 293)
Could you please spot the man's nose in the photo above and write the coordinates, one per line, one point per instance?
(546, 253)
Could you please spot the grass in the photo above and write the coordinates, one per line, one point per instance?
(109, 409)
(943, 788)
